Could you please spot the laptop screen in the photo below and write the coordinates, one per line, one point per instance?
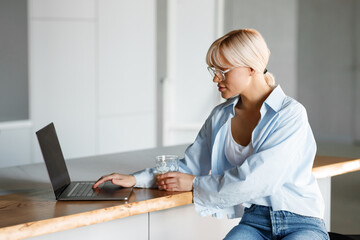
(54, 159)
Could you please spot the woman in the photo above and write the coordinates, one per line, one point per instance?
(255, 150)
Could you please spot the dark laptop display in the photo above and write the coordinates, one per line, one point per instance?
(63, 188)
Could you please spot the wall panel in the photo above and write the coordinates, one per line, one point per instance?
(63, 83)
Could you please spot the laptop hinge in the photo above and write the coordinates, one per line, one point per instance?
(61, 190)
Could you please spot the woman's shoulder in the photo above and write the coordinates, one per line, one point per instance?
(292, 108)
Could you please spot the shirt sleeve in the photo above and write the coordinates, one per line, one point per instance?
(197, 159)
(145, 178)
(263, 172)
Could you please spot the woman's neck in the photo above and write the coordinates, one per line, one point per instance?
(255, 95)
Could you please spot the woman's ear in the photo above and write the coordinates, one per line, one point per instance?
(252, 71)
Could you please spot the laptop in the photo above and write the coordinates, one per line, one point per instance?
(63, 187)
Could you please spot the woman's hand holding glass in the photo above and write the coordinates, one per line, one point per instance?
(175, 181)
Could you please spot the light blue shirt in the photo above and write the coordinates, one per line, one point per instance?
(277, 174)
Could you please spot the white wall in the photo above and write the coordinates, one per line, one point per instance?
(63, 73)
(15, 143)
(326, 82)
(127, 68)
(192, 94)
(92, 72)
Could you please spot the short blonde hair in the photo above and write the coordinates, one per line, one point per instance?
(241, 48)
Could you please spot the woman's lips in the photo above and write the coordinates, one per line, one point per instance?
(221, 88)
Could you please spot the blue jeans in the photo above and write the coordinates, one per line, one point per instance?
(260, 222)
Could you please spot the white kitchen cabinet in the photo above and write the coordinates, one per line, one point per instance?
(15, 143)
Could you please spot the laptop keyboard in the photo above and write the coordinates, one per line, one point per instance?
(82, 189)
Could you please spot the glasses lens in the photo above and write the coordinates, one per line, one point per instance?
(211, 71)
(216, 72)
(220, 74)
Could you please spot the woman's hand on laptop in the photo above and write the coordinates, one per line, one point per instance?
(117, 179)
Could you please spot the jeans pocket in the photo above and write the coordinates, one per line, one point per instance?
(306, 219)
(250, 209)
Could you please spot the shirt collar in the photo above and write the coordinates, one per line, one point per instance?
(232, 102)
(274, 100)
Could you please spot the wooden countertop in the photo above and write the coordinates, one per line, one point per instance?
(35, 213)
(28, 207)
(326, 166)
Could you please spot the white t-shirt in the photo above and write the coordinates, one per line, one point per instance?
(234, 152)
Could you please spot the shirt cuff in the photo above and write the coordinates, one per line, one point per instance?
(204, 210)
(145, 178)
(200, 208)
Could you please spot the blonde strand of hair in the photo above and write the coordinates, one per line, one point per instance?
(270, 79)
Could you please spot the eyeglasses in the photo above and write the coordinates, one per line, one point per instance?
(219, 73)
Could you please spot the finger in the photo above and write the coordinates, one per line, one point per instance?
(161, 180)
(172, 174)
(160, 176)
(161, 183)
(171, 190)
(169, 175)
(168, 186)
(170, 181)
(97, 183)
(172, 187)
(101, 181)
(166, 181)
(164, 186)
(163, 176)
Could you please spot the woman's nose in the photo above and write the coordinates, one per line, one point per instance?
(216, 79)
